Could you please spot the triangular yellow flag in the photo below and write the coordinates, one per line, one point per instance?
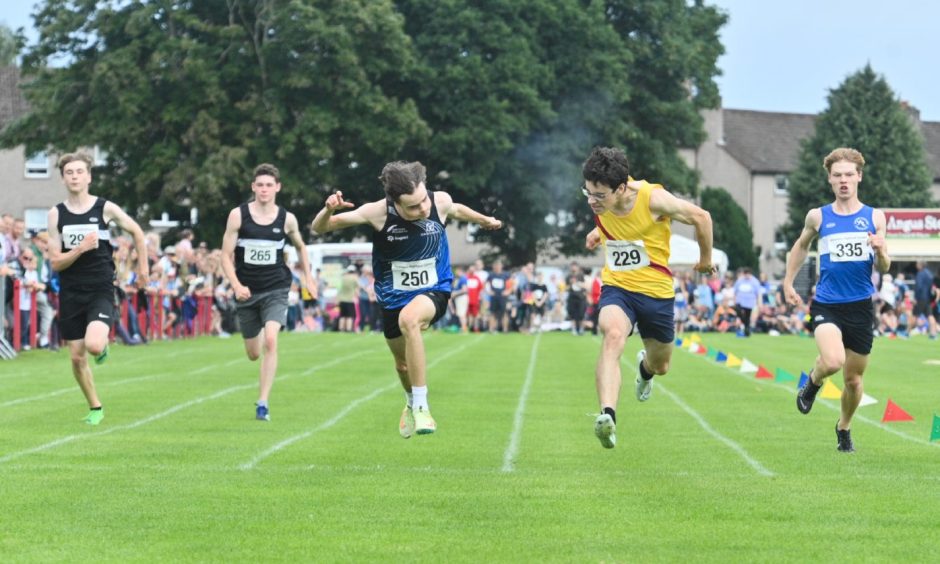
(732, 361)
(695, 338)
(830, 391)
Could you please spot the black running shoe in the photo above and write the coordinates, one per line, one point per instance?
(806, 396)
(845, 440)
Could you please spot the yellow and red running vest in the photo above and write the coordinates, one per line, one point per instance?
(636, 248)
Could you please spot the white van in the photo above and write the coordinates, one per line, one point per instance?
(332, 259)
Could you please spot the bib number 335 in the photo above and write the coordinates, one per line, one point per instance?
(626, 255)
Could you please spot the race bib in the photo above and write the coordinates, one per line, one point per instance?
(261, 254)
(497, 283)
(73, 235)
(626, 255)
(848, 247)
(414, 275)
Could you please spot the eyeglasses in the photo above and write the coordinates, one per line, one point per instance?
(592, 195)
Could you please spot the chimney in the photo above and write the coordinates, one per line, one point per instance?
(911, 111)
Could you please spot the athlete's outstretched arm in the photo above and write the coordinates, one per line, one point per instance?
(114, 212)
(229, 240)
(372, 213)
(799, 252)
(293, 233)
(448, 208)
(663, 203)
(59, 260)
(877, 241)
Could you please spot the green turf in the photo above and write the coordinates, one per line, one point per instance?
(717, 466)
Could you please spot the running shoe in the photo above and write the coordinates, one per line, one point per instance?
(604, 428)
(644, 388)
(807, 395)
(844, 439)
(94, 416)
(406, 425)
(424, 423)
(261, 413)
(103, 356)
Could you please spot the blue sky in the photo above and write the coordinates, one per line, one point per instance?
(785, 56)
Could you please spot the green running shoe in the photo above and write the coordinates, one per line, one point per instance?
(94, 416)
(424, 423)
(103, 356)
(406, 425)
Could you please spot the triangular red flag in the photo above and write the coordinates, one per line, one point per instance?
(894, 413)
(763, 373)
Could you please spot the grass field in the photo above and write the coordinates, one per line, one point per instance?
(717, 466)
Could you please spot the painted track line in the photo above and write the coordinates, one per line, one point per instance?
(757, 466)
(512, 449)
(253, 463)
(71, 438)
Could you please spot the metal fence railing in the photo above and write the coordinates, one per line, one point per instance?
(6, 350)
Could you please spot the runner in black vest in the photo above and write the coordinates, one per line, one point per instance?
(411, 262)
(253, 261)
(80, 250)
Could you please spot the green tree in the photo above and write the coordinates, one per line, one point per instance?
(731, 232)
(9, 46)
(186, 97)
(863, 113)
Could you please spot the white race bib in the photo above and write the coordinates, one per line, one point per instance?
(497, 283)
(414, 275)
(626, 255)
(848, 247)
(73, 235)
(260, 253)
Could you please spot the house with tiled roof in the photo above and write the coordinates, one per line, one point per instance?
(751, 155)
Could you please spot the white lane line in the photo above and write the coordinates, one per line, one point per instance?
(172, 410)
(251, 464)
(105, 385)
(834, 407)
(757, 466)
(512, 450)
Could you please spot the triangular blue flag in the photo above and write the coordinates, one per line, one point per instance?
(678, 342)
(721, 357)
(804, 378)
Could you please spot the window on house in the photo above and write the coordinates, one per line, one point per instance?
(36, 219)
(37, 165)
(782, 184)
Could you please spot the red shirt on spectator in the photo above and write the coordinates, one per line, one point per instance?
(474, 288)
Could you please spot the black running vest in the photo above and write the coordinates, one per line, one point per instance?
(259, 253)
(94, 268)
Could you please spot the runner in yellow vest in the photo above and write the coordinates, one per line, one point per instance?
(633, 220)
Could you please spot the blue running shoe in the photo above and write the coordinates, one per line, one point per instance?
(261, 413)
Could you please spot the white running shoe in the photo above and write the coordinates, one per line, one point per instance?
(406, 425)
(605, 428)
(644, 388)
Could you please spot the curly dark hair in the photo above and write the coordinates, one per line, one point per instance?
(608, 166)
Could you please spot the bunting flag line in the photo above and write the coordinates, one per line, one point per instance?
(804, 378)
(763, 373)
(830, 390)
(784, 376)
(733, 361)
(748, 367)
(867, 400)
(893, 412)
(721, 357)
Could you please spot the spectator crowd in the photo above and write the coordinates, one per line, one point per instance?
(188, 295)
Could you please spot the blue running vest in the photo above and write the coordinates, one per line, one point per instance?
(410, 258)
(845, 258)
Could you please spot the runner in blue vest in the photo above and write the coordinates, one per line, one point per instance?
(411, 262)
(253, 247)
(851, 241)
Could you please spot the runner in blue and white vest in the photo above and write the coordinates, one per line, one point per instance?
(411, 262)
(851, 243)
(253, 260)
